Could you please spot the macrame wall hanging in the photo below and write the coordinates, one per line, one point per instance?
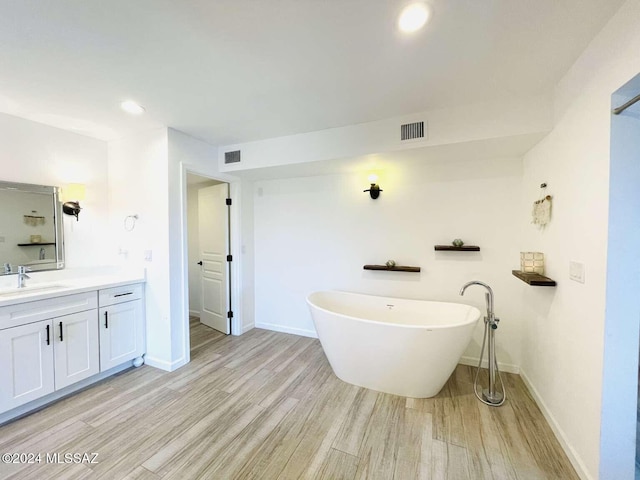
(542, 208)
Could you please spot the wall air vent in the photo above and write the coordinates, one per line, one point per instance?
(410, 131)
(232, 157)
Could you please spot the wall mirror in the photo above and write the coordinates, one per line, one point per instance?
(31, 232)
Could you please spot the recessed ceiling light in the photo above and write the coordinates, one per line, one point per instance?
(413, 17)
(132, 107)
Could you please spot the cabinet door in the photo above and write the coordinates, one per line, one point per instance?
(121, 333)
(76, 347)
(26, 363)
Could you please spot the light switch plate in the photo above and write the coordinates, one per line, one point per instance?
(576, 271)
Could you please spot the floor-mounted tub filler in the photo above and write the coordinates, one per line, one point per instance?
(490, 396)
(392, 345)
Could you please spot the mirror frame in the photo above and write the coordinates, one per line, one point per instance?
(57, 221)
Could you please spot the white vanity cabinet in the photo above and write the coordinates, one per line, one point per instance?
(121, 325)
(46, 345)
(55, 345)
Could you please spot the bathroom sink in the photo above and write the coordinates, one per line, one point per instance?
(30, 290)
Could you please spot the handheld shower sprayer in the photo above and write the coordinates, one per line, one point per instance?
(489, 396)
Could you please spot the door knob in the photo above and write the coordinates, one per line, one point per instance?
(200, 263)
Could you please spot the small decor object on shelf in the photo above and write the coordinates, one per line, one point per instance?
(390, 263)
(532, 262)
(457, 242)
(35, 238)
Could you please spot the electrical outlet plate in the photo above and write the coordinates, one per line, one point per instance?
(576, 272)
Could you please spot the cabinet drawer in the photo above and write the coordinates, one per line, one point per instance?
(115, 295)
(29, 312)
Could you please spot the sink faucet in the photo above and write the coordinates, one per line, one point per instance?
(22, 276)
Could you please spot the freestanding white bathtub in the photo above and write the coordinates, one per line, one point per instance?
(403, 347)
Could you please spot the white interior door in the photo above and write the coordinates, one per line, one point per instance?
(213, 219)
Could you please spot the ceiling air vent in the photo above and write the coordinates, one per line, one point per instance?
(232, 157)
(409, 131)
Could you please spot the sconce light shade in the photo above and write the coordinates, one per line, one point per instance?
(71, 208)
(72, 194)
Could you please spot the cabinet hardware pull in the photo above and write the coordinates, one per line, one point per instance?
(122, 294)
(106, 319)
(48, 339)
(61, 339)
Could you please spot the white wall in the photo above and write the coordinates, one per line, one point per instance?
(138, 179)
(316, 233)
(36, 153)
(248, 256)
(564, 328)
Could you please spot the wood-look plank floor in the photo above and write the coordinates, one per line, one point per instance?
(266, 405)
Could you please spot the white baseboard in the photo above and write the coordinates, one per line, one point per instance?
(503, 367)
(194, 313)
(163, 364)
(575, 460)
(283, 328)
(246, 328)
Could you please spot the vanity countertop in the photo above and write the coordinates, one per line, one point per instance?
(65, 282)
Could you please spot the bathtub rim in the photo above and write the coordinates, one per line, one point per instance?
(424, 327)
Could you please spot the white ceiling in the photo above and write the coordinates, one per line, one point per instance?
(230, 71)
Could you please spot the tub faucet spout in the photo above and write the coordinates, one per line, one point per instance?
(488, 296)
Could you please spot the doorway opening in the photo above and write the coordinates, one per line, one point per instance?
(209, 258)
(619, 442)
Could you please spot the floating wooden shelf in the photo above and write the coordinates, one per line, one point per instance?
(451, 248)
(397, 268)
(534, 279)
(35, 244)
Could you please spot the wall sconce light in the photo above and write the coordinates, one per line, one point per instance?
(374, 190)
(73, 194)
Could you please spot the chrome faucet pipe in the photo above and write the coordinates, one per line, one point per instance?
(490, 396)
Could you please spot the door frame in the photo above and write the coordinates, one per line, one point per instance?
(235, 247)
